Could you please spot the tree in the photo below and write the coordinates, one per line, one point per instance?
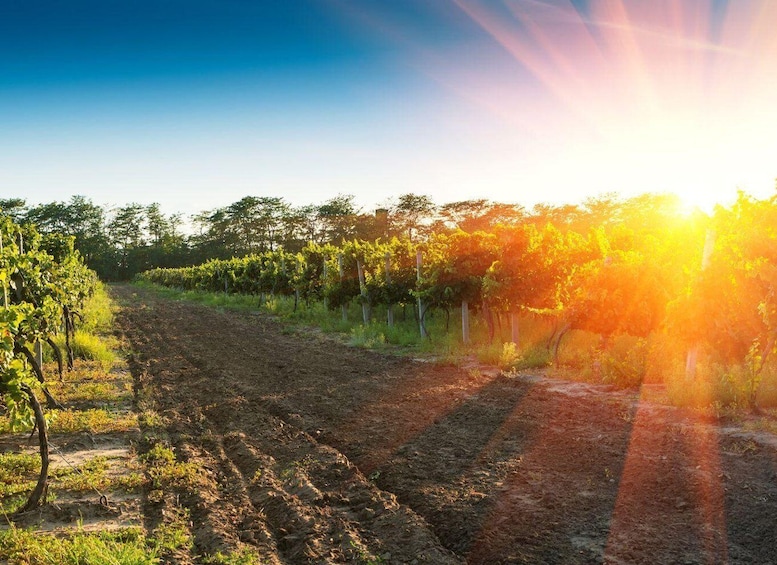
(338, 218)
(480, 214)
(127, 232)
(409, 215)
(84, 220)
(14, 208)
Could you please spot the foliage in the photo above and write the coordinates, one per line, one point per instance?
(44, 282)
(127, 546)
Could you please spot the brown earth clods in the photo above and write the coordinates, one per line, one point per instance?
(316, 452)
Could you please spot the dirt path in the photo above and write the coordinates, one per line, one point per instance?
(321, 453)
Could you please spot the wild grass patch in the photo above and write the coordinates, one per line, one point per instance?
(164, 471)
(116, 390)
(93, 421)
(244, 556)
(128, 546)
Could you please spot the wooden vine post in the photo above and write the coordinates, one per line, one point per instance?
(514, 329)
(693, 352)
(5, 288)
(363, 293)
(390, 307)
(39, 353)
(343, 306)
(297, 267)
(421, 311)
(465, 322)
(324, 272)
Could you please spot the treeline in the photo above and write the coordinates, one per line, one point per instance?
(119, 242)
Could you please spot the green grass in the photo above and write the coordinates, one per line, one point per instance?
(165, 471)
(97, 313)
(93, 347)
(245, 556)
(18, 473)
(115, 390)
(128, 546)
(213, 299)
(93, 421)
(92, 340)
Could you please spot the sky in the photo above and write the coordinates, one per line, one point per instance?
(195, 104)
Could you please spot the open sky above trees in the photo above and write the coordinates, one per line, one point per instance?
(196, 104)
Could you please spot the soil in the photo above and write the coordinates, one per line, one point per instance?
(317, 452)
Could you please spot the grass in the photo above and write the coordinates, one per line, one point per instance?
(128, 546)
(97, 314)
(106, 388)
(245, 556)
(92, 421)
(173, 535)
(93, 347)
(165, 472)
(213, 299)
(92, 340)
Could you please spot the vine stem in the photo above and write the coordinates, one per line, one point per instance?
(38, 496)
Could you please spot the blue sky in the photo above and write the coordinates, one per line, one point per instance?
(196, 104)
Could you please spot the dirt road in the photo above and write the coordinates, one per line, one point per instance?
(320, 453)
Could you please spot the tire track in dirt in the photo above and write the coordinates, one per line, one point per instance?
(502, 469)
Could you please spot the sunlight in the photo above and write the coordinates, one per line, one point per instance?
(699, 507)
(657, 97)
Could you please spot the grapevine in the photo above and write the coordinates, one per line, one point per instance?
(44, 284)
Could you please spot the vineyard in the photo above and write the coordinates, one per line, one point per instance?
(234, 436)
(686, 295)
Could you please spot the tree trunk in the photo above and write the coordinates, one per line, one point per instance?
(52, 402)
(38, 496)
(69, 330)
(58, 355)
(561, 335)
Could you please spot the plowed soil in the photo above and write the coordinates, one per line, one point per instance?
(317, 452)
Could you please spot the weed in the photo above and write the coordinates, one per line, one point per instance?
(370, 337)
(88, 476)
(94, 348)
(151, 419)
(97, 313)
(18, 472)
(126, 546)
(363, 555)
(164, 471)
(93, 421)
(245, 556)
(535, 358)
(15, 467)
(92, 392)
(500, 355)
(174, 534)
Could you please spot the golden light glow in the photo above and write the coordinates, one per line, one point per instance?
(637, 96)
